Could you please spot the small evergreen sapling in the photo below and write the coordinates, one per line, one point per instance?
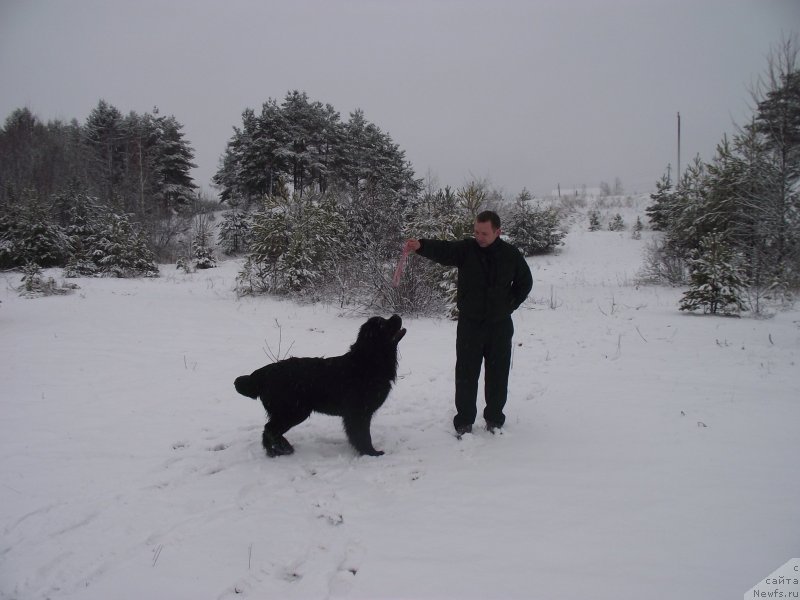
(716, 279)
(83, 231)
(617, 224)
(234, 232)
(293, 247)
(202, 249)
(183, 264)
(122, 249)
(594, 220)
(637, 229)
(532, 228)
(34, 284)
(31, 283)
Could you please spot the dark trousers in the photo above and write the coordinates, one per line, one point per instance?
(488, 343)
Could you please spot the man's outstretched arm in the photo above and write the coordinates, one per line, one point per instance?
(445, 253)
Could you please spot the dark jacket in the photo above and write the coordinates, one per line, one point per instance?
(492, 281)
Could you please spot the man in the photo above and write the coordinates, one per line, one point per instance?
(493, 280)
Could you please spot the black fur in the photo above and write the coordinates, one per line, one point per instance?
(352, 386)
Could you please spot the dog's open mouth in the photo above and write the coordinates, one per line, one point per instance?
(397, 322)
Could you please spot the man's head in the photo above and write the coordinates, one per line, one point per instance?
(487, 228)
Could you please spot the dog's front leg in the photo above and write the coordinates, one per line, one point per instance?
(356, 426)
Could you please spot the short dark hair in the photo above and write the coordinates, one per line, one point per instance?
(489, 216)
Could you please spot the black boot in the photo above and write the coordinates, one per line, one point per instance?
(493, 427)
(462, 429)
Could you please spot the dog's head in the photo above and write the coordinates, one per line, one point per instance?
(376, 346)
(378, 333)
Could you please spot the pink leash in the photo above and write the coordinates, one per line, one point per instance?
(398, 272)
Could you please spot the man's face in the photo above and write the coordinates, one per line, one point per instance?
(485, 234)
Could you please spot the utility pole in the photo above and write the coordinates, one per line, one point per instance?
(678, 178)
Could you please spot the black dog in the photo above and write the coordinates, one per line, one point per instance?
(352, 386)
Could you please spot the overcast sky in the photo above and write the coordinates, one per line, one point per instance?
(525, 93)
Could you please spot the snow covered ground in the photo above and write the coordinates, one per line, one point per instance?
(647, 453)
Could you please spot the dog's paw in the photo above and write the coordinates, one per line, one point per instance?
(273, 451)
(279, 448)
(277, 445)
(374, 452)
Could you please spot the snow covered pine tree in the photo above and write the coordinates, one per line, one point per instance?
(716, 280)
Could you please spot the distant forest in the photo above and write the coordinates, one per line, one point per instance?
(57, 178)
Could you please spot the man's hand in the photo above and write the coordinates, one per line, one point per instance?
(412, 245)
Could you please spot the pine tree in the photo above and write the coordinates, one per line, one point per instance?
(637, 229)
(83, 231)
(532, 228)
(689, 203)
(473, 197)
(234, 232)
(34, 284)
(202, 244)
(658, 212)
(777, 123)
(264, 161)
(104, 137)
(298, 112)
(616, 224)
(173, 162)
(122, 249)
(239, 184)
(716, 278)
(594, 220)
(141, 140)
(29, 235)
(31, 282)
(293, 246)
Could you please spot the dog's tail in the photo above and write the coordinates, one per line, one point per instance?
(246, 386)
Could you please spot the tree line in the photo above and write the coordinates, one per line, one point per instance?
(139, 162)
(731, 227)
(69, 192)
